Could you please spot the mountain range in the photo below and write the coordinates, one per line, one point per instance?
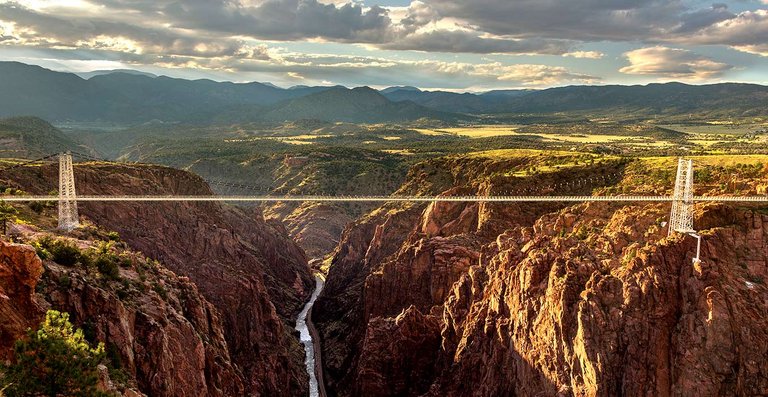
(131, 97)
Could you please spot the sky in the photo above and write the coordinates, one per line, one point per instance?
(457, 45)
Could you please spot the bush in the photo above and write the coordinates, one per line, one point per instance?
(107, 266)
(55, 360)
(37, 206)
(42, 251)
(65, 281)
(160, 290)
(62, 252)
(105, 260)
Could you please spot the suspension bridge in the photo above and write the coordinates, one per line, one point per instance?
(680, 221)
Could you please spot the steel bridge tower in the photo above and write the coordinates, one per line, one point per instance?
(68, 217)
(681, 218)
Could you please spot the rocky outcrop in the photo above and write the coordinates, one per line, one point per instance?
(583, 300)
(556, 315)
(166, 335)
(249, 269)
(160, 333)
(20, 271)
(316, 227)
(400, 349)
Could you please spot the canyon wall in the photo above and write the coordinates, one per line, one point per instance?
(456, 299)
(254, 275)
(162, 337)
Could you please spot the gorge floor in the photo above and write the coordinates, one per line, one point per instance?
(308, 336)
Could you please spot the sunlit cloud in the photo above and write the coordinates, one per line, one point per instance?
(585, 54)
(673, 63)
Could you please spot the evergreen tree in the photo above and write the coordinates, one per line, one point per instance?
(55, 360)
(7, 213)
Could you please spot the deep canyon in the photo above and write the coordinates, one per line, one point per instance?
(441, 299)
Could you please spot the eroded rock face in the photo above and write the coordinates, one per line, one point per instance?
(20, 271)
(157, 327)
(168, 337)
(566, 318)
(585, 300)
(250, 270)
(316, 227)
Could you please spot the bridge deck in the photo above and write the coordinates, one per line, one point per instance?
(758, 199)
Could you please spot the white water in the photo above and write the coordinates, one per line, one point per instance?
(306, 337)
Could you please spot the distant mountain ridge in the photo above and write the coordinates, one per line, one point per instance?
(31, 137)
(123, 97)
(134, 97)
(723, 99)
(357, 105)
(94, 73)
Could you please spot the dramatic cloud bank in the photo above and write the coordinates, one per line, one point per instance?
(498, 43)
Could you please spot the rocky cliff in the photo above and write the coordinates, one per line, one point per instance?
(20, 270)
(162, 336)
(585, 300)
(248, 268)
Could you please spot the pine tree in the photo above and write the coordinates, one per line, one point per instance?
(55, 360)
(7, 213)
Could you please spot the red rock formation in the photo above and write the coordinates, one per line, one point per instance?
(249, 270)
(20, 270)
(169, 344)
(586, 300)
(316, 227)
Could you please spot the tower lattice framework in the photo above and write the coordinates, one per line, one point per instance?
(68, 216)
(681, 218)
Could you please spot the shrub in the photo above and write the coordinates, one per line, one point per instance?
(105, 260)
(55, 360)
(160, 290)
(62, 252)
(107, 266)
(41, 250)
(37, 206)
(756, 279)
(65, 281)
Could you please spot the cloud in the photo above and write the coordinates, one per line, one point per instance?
(747, 31)
(648, 21)
(535, 75)
(245, 35)
(757, 49)
(418, 14)
(673, 63)
(585, 54)
(36, 29)
(701, 19)
(281, 19)
(219, 26)
(573, 19)
(471, 42)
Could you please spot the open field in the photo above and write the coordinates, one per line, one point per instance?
(555, 135)
(709, 160)
(485, 131)
(716, 129)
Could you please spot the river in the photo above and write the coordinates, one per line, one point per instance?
(307, 335)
